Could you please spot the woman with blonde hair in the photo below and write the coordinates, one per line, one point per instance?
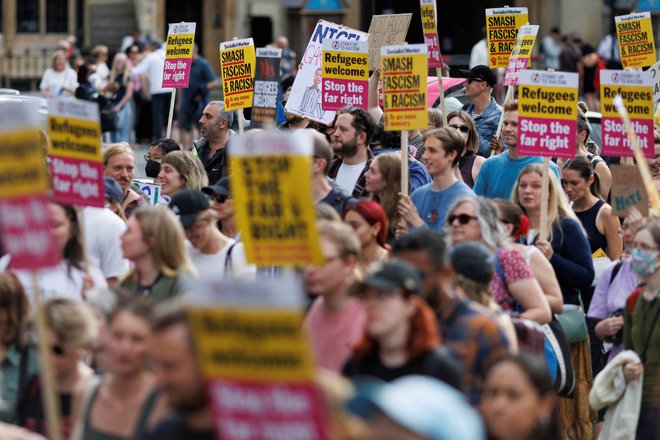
(59, 79)
(154, 242)
(470, 162)
(181, 170)
(383, 181)
(120, 91)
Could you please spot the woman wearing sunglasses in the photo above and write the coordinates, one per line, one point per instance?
(470, 162)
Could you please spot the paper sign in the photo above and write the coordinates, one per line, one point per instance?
(628, 190)
(345, 74)
(403, 73)
(635, 35)
(274, 204)
(637, 94)
(305, 97)
(547, 113)
(178, 54)
(257, 362)
(522, 53)
(654, 73)
(152, 190)
(386, 30)
(266, 88)
(75, 152)
(502, 26)
(237, 65)
(430, 30)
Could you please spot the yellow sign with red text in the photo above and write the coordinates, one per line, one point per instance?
(502, 26)
(634, 33)
(237, 66)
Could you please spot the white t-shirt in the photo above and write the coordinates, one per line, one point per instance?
(215, 264)
(54, 81)
(152, 66)
(347, 176)
(103, 230)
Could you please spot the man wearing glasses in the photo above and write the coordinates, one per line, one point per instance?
(484, 110)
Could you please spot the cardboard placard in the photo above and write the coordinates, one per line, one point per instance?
(522, 53)
(654, 73)
(305, 97)
(637, 94)
(345, 73)
(75, 152)
(628, 190)
(634, 33)
(266, 88)
(502, 26)
(237, 65)
(273, 197)
(386, 30)
(178, 54)
(547, 113)
(429, 13)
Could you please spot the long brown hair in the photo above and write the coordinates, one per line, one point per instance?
(390, 168)
(472, 144)
(14, 301)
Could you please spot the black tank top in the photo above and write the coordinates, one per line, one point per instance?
(588, 220)
(465, 164)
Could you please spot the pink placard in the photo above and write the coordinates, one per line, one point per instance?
(26, 233)
(176, 72)
(338, 93)
(77, 181)
(512, 71)
(433, 46)
(546, 137)
(616, 142)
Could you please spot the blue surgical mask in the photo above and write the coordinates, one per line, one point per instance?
(644, 262)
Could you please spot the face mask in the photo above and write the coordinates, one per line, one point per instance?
(152, 169)
(643, 262)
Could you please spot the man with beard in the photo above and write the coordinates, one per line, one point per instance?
(293, 122)
(215, 131)
(119, 163)
(180, 377)
(350, 141)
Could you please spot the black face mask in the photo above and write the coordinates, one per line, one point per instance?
(152, 169)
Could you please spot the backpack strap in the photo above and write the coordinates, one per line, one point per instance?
(498, 267)
(632, 299)
(228, 262)
(615, 270)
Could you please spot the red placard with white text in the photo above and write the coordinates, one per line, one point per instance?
(429, 15)
(178, 54)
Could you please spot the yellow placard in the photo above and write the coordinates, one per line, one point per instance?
(237, 67)
(403, 76)
(635, 36)
(547, 102)
(74, 138)
(275, 209)
(256, 345)
(23, 170)
(638, 100)
(502, 26)
(428, 18)
(179, 46)
(346, 66)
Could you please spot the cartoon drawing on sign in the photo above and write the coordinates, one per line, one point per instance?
(311, 101)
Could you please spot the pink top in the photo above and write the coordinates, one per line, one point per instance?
(332, 335)
(515, 268)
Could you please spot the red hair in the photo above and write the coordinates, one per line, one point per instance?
(373, 213)
(423, 336)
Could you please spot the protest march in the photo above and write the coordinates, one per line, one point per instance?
(367, 244)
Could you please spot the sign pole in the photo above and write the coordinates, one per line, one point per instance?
(241, 123)
(404, 162)
(169, 119)
(441, 95)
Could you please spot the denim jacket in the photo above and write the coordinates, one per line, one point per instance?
(486, 124)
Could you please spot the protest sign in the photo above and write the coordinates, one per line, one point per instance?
(628, 190)
(305, 97)
(403, 73)
(634, 33)
(274, 204)
(256, 359)
(547, 113)
(152, 190)
(345, 74)
(522, 53)
(266, 88)
(386, 30)
(75, 152)
(502, 26)
(654, 73)
(635, 89)
(237, 65)
(430, 30)
(178, 54)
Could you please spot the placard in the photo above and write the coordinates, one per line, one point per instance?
(654, 73)
(306, 94)
(635, 35)
(637, 94)
(345, 74)
(403, 73)
(502, 26)
(628, 190)
(429, 12)
(75, 152)
(266, 88)
(152, 190)
(273, 197)
(386, 30)
(522, 53)
(547, 113)
(237, 65)
(178, 54)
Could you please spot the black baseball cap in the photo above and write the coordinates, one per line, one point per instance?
(473, 261)
(221, 187)
(393, 274)
(187, 204)
(483, 73)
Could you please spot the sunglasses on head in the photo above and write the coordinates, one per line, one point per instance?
(462, 128)
(471, 80)
(463, 219)
(220, 198)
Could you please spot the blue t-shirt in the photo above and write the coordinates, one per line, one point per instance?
(499, 173)
(433, 205)
(201, 74)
